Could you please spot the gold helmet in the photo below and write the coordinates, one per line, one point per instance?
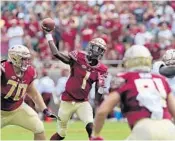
(137, 57)
(19, 55)
(96, 48)
(169, 57)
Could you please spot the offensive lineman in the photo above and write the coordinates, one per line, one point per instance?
(146, 99)
(17, 77)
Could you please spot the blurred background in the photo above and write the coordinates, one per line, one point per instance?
(120, 23)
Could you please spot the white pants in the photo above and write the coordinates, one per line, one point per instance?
(149, 129)
(24, 117)
(67, 109)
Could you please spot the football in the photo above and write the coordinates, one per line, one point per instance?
(48, 24)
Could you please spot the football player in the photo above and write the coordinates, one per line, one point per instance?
(17, 77)
(85, 70)
(166, 67)
(146, 99)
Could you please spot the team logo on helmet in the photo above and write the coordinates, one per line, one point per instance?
(96, 48)
(137, 57)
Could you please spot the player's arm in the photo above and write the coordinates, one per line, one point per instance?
(168, 71)
(64, 58)
(171, 104)
(36, 96)
(102, 87)
(108, 104)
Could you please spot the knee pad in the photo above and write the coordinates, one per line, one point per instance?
(89, 127)
(39, 127)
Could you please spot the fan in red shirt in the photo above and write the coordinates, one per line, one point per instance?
(146, 99)
(86, 69)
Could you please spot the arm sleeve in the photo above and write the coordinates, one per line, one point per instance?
(168, 71)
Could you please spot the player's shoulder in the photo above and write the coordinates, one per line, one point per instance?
(102, 67)
(31, 71)
(6, 65)
(75, 54)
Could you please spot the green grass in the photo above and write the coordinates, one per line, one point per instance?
(112, 130)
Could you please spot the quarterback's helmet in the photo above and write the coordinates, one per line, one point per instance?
(96, 48)
(19, 55)
(169, 57)
(137, 57)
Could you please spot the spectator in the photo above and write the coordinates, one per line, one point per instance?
(15, 34)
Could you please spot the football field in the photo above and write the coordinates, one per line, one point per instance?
(112, 130)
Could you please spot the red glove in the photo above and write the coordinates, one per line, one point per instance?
(96, 139)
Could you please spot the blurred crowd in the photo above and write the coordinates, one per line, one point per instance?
(119, 23)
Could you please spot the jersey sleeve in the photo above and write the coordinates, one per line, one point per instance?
(156, 66)
(74, 55)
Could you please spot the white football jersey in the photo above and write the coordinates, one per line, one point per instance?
(155, 69)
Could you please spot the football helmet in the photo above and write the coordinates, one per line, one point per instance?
(19, 55)
(169, 57)
(137, 57)
(96, 48)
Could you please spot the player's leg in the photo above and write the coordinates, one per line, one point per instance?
(27, 118)
(85, 113)
(65, 112)
(148, 129)
(6, 117)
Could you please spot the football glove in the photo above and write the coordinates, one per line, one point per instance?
(48, 113)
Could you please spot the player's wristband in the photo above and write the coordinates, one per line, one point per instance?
(49, 37)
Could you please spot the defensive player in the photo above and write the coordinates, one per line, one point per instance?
(146, 99)
(85, 70)
(17, 77)
(166, 67)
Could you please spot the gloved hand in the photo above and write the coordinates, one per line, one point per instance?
(48, 113)
(96, 139)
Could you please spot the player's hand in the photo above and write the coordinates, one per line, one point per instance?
(96, 139)
(48, 113)
(46, 30)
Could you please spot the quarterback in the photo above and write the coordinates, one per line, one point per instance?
(146, 99)
(17, 77)
(85, 70)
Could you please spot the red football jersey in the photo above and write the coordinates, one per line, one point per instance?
(134, 84)
(82, 77)
(12, 94)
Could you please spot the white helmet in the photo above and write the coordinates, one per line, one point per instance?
(138, 57)
(17, 55)
(169, 57)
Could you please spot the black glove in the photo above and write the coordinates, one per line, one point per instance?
(48, 113)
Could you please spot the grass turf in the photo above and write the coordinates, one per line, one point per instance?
(112, 130)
